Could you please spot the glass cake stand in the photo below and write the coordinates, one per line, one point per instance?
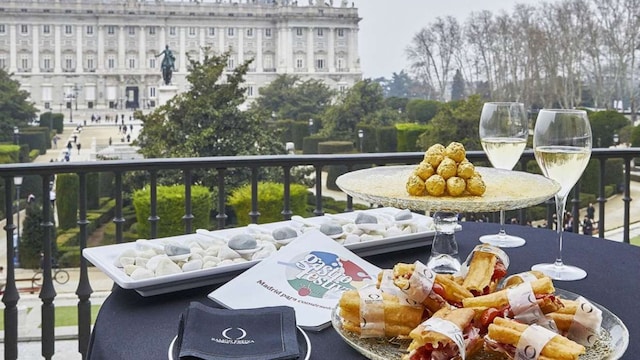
(506, 190)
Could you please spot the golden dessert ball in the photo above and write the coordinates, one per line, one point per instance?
(476, 186)
(434, 155)
(435, 185)
(456, 186)
(415, 186)
(447, 168)
(424, 170)
(455, 151)
(466, 170)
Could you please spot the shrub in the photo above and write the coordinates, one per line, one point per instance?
(270, 202)
(386, 139)
(310, 144)
(171, 209)
(67, 200)
(408, 136)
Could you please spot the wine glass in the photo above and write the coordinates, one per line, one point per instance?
(504, 128)
(562, 147)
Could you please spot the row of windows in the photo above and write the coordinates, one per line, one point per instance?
(69, 62)
(131, 30)
(319, 32)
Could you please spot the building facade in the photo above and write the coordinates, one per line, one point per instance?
(103, 54)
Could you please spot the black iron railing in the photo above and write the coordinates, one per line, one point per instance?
(187, 166)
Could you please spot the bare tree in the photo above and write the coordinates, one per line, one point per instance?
(432, 53)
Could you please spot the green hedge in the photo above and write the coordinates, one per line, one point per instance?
(369, 140)
(106, 184)
(171, 209)
(310, 143)
(386, 139)
(37, 138)
(50, 119)
(93, 191)
(334, 171)
(67, 200)
(299, 130)
(408, 136)
(270, 202)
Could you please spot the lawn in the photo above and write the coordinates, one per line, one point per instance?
(65, 315)
(635, 241)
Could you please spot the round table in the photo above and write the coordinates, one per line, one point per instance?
(130, 326)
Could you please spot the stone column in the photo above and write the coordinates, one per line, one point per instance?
(221, 35)
(354, 60)
(35, 53)
(240, 45)
(13, 48)
(288, 50)
(203, 43)
(182, 55)
(100, 57)
(280, 51)
(79, 47)
(121, 48)
(311, 66)
(57, 52)
(259, 67)
(142, 48)
(331, 50)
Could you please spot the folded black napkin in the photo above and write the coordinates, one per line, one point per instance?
(253, 334)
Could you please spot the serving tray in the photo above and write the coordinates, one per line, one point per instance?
(104, 257)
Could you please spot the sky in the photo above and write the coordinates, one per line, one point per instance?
(387, 27)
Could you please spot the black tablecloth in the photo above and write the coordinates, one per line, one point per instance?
(130, 326)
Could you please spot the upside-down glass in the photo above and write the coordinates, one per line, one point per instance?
(504, 128)
(562, 146)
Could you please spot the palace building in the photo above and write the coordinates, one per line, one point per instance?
(103, 54)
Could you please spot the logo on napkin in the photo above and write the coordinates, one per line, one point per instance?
(256, 334)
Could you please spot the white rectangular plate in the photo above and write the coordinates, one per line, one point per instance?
(103, 257)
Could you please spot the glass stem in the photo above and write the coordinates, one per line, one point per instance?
(502, 232)
(560, 205)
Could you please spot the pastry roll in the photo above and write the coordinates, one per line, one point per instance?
(446, 335)
(486, 269)
(399, 319)
(508, 336)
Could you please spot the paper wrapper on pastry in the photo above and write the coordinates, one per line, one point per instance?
(500, 298)
(508, 336)
(448, 332)
(444, 290)
(399, 319)
(578, 320)
(486, 267)
(527, 276)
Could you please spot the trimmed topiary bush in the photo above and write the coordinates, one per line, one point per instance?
(333, 171)
(171, 209)
(67, 200)
(386, 139)
(310, 144)
(93, 191)
(270, 202)
(408, 136)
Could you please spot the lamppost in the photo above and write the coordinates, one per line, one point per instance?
(310, 126)
(17, 181)
(69, 98)
(16, 139)
(616, 139)
(361, 137)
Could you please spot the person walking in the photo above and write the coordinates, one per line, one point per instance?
(78, 146)
(591, 211)
(587, 226)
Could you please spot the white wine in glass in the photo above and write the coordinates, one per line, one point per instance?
(504, 128)
(562, 146)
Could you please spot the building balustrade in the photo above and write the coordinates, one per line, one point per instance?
(154, 167)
